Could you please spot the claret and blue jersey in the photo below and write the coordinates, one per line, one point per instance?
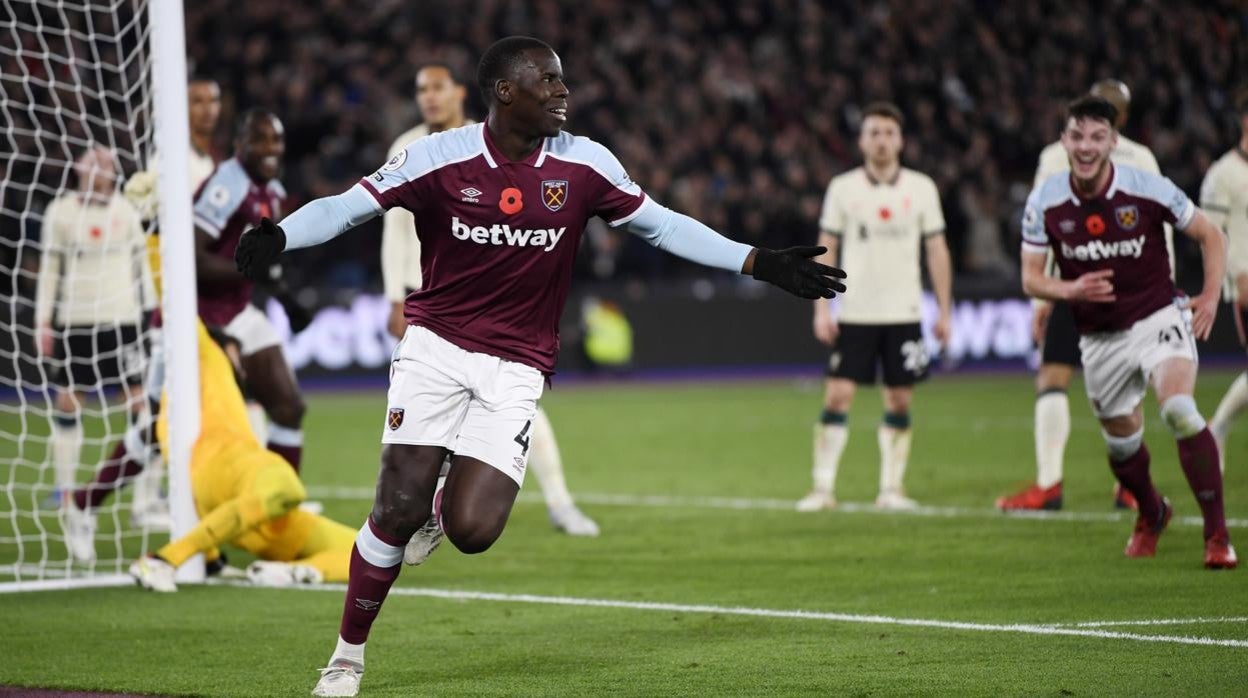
(499, 237)
(1121, 228)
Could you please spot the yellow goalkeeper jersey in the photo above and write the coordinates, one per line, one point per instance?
(222, 412)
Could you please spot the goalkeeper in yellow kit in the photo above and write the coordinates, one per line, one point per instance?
(244, 494)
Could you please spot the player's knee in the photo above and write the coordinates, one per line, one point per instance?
(471, 538)
(289, 413)
(1181, 416)
(1053, 377)
(1123, 447)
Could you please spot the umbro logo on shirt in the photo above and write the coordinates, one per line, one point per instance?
(471, 194)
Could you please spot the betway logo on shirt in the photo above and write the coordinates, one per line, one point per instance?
(503, 234)
(1099, 249)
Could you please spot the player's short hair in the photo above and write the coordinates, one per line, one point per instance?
(888, 110)
(455, 78)
(1092, 107)
(245, 121)
(201, 77)
(501, 58)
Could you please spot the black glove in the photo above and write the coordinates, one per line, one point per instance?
(259, 249)
(794, 271)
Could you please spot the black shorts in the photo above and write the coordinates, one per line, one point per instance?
(88, 358)
(860, 351)
(1061, 339)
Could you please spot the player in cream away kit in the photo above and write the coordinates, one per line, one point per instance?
(440, 98)
(500, 208)
(94, 288)
(1224, 197)
(1053, 328)
(877, 217)
(1105, 226)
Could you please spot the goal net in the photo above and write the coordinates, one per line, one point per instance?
(82, 487)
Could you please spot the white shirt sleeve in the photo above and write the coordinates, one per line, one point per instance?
(326, 218)
(398, 244)
(1035, 240)
(832, 217)
(685, 237)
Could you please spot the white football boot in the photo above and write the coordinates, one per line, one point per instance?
(572, 521)
(816, 501)
(427, 538)
(340, 678)
(79, 529)
(154, 573)
(893, 500)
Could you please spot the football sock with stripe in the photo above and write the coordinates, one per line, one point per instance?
(1052, 432)
(893, 435)
(830, 436)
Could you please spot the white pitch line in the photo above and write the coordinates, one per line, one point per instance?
(755, 503)
(1157, 621)
(1019, 628)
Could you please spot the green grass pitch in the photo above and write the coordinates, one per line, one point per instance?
(1006, 578)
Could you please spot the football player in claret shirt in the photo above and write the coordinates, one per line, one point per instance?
(1053, 328)
(1105, 224)
(500, 208)
(440, 98)
(242, 191)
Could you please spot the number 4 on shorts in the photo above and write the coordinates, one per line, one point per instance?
(523, 438)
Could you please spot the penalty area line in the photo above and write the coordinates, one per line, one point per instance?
(756, 503)
(852, 618)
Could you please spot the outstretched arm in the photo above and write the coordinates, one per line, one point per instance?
(792, 269)
(324, 219)
(314, 223)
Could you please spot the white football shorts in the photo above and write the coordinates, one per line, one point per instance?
(1117, 366)
(252, 329)
(473, 404)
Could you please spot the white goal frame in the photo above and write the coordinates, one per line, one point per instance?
(167, 46)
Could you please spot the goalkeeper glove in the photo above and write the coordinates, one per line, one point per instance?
(140, 191)
(258, 249)
(795, 271)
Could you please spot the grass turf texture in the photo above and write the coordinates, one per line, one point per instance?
(972, 443)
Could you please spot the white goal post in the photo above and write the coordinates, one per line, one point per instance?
(91, 92)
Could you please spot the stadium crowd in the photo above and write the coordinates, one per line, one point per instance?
(740, 113)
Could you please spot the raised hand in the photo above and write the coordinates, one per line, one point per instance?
(795, 271)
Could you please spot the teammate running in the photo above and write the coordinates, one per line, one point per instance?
(1105, 226)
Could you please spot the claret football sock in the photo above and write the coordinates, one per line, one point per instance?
(1199, 456)
(1133, 473)
(375, 559)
